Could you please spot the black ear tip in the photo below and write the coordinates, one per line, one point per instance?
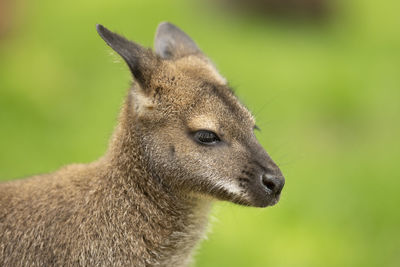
(99, 27)
(107, 35)
(101, 30)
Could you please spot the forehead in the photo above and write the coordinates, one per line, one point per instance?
(220, 99)
(194, 87)
(215, 107)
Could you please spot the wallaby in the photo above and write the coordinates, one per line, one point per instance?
(182, 141)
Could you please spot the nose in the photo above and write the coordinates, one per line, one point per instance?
(273, 183)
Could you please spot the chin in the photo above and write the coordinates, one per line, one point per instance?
(256, 201)
(251, 200)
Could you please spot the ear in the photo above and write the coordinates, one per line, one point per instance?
(141, 61)
(172, 43)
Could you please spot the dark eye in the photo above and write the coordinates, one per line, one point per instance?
(206, 137)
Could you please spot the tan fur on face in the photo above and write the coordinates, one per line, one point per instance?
(141, 103)
(203, 122)
(208, 69)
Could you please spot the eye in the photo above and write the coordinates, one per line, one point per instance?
(206, 137)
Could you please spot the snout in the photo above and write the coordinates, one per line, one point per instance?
(265, 188)
(261, 179)
(273, 184)
(270, 188)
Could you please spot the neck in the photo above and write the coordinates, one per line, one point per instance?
(127, 162)
(171, 222)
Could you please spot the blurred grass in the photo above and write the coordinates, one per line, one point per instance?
(325, 96)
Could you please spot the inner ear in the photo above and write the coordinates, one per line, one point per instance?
(171, 42)
(141, 102)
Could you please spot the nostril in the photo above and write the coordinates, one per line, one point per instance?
(272, 183)
(269, 184)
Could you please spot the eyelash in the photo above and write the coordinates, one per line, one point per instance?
(206, 137)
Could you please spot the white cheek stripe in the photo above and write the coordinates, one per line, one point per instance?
(229, 187)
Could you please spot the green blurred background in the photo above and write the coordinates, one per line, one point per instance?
(325, 91)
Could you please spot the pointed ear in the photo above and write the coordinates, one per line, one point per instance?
(141, 61)
(172, 43)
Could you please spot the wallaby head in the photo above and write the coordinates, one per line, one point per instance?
(193, 134)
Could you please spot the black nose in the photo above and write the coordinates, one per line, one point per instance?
(273, 183)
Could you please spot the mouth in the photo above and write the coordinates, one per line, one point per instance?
(252, 198)
(254, 202)
(274, 200)
(263, 192)
(263, 202)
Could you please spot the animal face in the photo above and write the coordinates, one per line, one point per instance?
(194, 133)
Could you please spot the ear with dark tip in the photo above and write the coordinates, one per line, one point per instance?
(172, 43)
(140, 60)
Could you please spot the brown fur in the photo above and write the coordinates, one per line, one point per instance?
(146, 201)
